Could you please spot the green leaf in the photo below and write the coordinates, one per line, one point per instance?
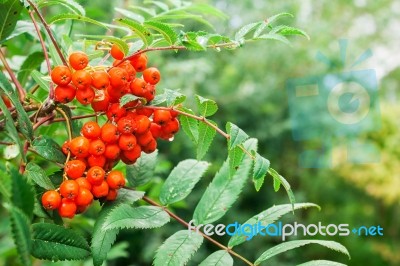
(261, 166)
(142, 171)
(287, 30)
(206, 9)
(143, 217)
(20, 229)
(48, 149)
(167, 32)
(127, 98)
(237, 135)
(242, 32)
(284, 183)
(11, 129)
(283, 247)
(119, 42)
(24, 124)
(178, 248)
(130, 14)
(38, 175)
(54, 242)
(143, 33)
(278, 16)
(9, 15)
(223, 190)
(206, 107)
(235, 158)
(182, 180)
(55, 57)
(189, 125)
(38, 77)
(32, 61)
(277, 184)
(21, 28)
(194, 41)
(61, 17)
(218, 258)
(206, 137)
(70, 4)
(321, 263)
(273, 36)
(267, 217)
(180, 15)
(22, 195)
(159, 4)
(258, 183)
(173, 97)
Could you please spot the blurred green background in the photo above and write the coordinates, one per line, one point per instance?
(249, 86)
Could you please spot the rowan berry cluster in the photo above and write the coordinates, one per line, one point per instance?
(130, 130)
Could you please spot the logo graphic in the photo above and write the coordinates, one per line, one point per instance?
(335, 109)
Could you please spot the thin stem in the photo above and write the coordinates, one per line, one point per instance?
(47, 27)
(6, 143)
(186, 224)
(14, 79)
(46, 56)
(73, 118)
(64, 115)
(42, 121)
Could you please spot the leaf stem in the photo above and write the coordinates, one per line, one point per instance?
(21, 91)
(186, 224)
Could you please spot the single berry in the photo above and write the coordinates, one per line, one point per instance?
(112, 151)
(96, 160)
(100, 190)
(69, 189)
(85, 197)
(85, 96)
(115, 112)
(171, 127)
(137, 87)
(139, 62)
(116, 52)
(79, 146)
(51, 200)
(67, 208)
(75, 168)
(151, 75)
(78, 60)
(109, 133)
(81, 79)
(97, 147)
(61, 75)
(91, 130)
(142, 124)
(112, 194)
(83, 183)
(115, 179)
(161, 117)
(100, 80)
(95, 175)
(64, 94)
(127, 142)
(118, 77)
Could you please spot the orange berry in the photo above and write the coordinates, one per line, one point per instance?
(83, 183)
(130, 157)
(85, 96)
(79, 146)
(139, 62)
(101, 105)
(171, 127)
(69, 189)
(161, 117)
(81, 79)
(96, 160)
(67, 208)
(151, 147)
(129, 69)
(96, 147)
(66, 147)
(118, 77)
(91, 130)
(112, 194)
(149, 92)
(155, 130)
(144, 111)
(109, 133)
(112, 151)
(116, 52)
(115, 112)
(75, 168)
(142, 124)
(64, 94)
(51, 200)
(127, 142)
(115, 179)
(100, 80)
(78, 60)
(61, 75)
(95, 175)
(151, 75)
(84, 198)
(126, 125)
(100, 190)
(137, 87)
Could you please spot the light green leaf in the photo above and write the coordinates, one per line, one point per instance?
(38, 175)
(70, 4)
(61, 17)
(130, 14)
(273, 36)
(258, 183)
(55, 57)
(167, 32)
(139, 29)
(235, 158)
(143, 217)
(178, 249)
(54, 242)
(206, 137)
(48, 149)
(143, 170)
(159, 4)
(237, 135)
(242, 32)
(119, 42)
(284, 183)
(206, 9)
(182, 180)
(321, 263)
(283, 247)
(38, 77)
(32, 61)
(175, 15)
(21, 28)
(189, 125)
(9, 15)
(206, 107)
(173, 97)
(127, 98)
(22, 195)
(287, 30)
(278, 16)
(267, 217)
(277, 184)
(261, 166)
(20, 229)
(223, 190)
(218, 258)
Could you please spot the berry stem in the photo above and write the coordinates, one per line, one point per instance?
(6, 143)
(47, 27)
(66, 119)
(186, 224)
(46, 56)
(14, 79)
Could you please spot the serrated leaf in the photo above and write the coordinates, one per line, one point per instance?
(10, 11)
(182, 180)
(278, 16)
(273, 36)
(277, 184)
(32, 61)
(142, 171)
(130, 14)
(178, 249)
(38, 77)
(321, 263)
(223, 190)
(24, 124)
(194, 41)
(20, 229)
(243, 31)
(283, 247)
(143, 217)
(35, 173)
(21, 28)
(119, 42)
(70, 4)
(128, 98)
(237, 135)
(206, 107)
(287, 30)
(139, 29)
(206, 137)
(267, 217)
(54, 242)
(261, 166)
(258, 183)
(81, 18)
(11, 129)
(189, 125)
(284, 183)
(173, 97)
(167, 32)
(235, 158)
(174, 15)
(48, 149)
(218, 258)
(22, 195)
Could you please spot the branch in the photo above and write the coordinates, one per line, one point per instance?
(14, 79)
(186, 224)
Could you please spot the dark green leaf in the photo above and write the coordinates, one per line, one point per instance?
(189, 125)
(178, 248)
(143, 217)
(283, 247)
(182, 180)
(22, 195)
(206, 137)
(261, 166)
(206, 107)
(20, 229)
(9, 15)
(54, 242)
(321, 263)
(237, 135)
(38, 175)
(235, 157)
(223, 190)
(267, 217)
(284, 183)
(167, 32)
(218, 258)
(142, 171)
(48, 149)
(143, 33)
(33, 61)
(81, 18)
